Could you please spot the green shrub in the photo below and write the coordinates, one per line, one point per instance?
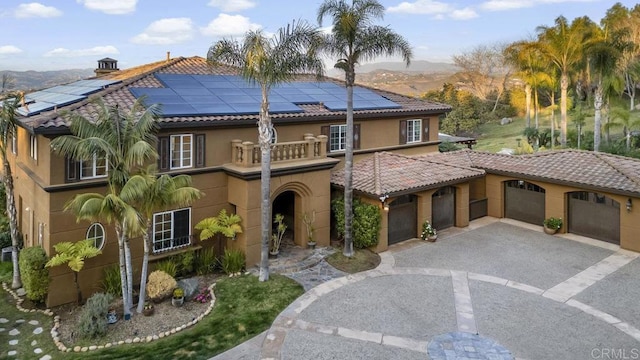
(168, 266)
(35, 277)
(185, 263)
(205, 261)
(111, 283)
(160, 285)
(232, 261)
(366, 222)
(93, 319)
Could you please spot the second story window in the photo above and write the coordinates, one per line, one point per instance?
(337, 137)
(181, 151)
(414, 130)
(95, 168)
(33, 147)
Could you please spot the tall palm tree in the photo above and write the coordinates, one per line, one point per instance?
(622, 118)
(562, 45)
(354, 38)
(8, 130)
(269, 61)
(125, 139)
(150, 193)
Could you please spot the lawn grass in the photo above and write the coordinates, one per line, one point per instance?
(244, 308)
(6, 271)
(362, 260)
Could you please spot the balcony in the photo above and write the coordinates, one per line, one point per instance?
(247, 154)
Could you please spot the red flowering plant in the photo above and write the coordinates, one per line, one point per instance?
(203, 296)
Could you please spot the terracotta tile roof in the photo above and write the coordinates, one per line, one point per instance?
(142, 76)
(585, 169)
(396, 174)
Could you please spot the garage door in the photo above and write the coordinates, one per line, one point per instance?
(443, 208)
(595, 216)
(524, 201)
(403, 216)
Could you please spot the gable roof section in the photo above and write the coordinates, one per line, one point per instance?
(579, 168)
(395, 174)
(52, 122)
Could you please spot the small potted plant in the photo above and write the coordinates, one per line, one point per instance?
(429, 233)
(178, 297)
(308, 222)
(112, 316)
(552, 225)
(148, 309)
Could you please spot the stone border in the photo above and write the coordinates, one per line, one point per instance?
(63, 348)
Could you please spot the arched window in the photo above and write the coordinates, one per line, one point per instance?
(96, 233)
(274, 135)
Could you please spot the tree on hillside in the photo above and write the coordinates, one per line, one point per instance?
(149, 193)
(562, 46)
(8, 131)
(268, 62)
(354, 38)
(124, 141)
(622, 118)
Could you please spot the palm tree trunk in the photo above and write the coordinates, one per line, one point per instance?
(79, 292)
(564, 85)
(348, 167)
(553, 119)
(16, 282)
(145, 267)
(527, 101)
(264, 138)
(536, 107)
(597, 125)
(128, 266)
(120, 233)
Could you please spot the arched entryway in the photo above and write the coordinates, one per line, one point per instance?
(524, 201)
(285, 204)
(443, 208)
(403, 215)
(594, 215)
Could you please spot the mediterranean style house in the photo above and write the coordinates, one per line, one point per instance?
(208, 130)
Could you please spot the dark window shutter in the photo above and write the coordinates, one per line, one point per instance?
(326, 131)
(200, 150)
(403, 131)
(356, 136)
(163, 153)
(425, 130)
(71, 170)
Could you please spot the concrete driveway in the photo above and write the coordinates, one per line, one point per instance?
(535, 295)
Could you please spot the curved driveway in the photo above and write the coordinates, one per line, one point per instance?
(539, 296)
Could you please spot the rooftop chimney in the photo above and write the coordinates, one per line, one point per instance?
(106, 66)
(168, 55)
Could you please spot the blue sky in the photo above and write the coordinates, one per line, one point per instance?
(54, 35)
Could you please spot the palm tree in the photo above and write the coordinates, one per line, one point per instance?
(622, 118)
(562, 45)
(150, 193)
(74, 254)
(354, 39)
(126, 142)
(269, 61)
(8, 130)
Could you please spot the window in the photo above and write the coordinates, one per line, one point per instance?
(95, 168)
(171, 229)
(337, 137)
(274, 135)
(414, 130)
(33, 147)
(181, 151)
(96, 233)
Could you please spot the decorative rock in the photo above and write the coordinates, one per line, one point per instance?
(37, 330)
(107, 345)
(19, 321)
(37, 351)
(34, 322)
(156, 337)
(14, 332)
(3, 321)
(77, 348)
(13, 342)
(120, 342)
(12, 353)
(128, 341)
(149, 338)
(190, 287)
(21, 292)
(167, 333)
(84, 349)
(33, 343)
(2, 329)
(101, 346)
(32, 310)
(92, 347)
(46, 357)
(161, 335)
(136, 340)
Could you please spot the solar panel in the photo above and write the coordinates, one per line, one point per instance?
(213, 109)
(202, 99)
(177, 110)
(193, 91)
(284, 107)
(35, 108)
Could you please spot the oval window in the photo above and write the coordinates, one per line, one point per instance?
(96, 233)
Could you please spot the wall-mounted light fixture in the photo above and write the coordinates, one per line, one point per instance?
(629, 205)
(383, 200)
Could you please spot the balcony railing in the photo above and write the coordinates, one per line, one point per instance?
(248, 154)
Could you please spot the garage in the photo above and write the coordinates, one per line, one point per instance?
(594, 215)
(443, 208)
(524, 201)
(403, 219)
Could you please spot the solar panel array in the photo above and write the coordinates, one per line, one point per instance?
(191, 95)
(61, 95)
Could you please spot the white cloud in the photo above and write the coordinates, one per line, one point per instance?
(464, 14)
(94, 51)
(166, 31)
(429, 7)
(232, 5)
(500, 5)
(229, 25)
(9, 49)
(36, 10)
(111, 7)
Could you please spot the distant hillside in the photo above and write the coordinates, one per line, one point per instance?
(34, 80)
(418, 66)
